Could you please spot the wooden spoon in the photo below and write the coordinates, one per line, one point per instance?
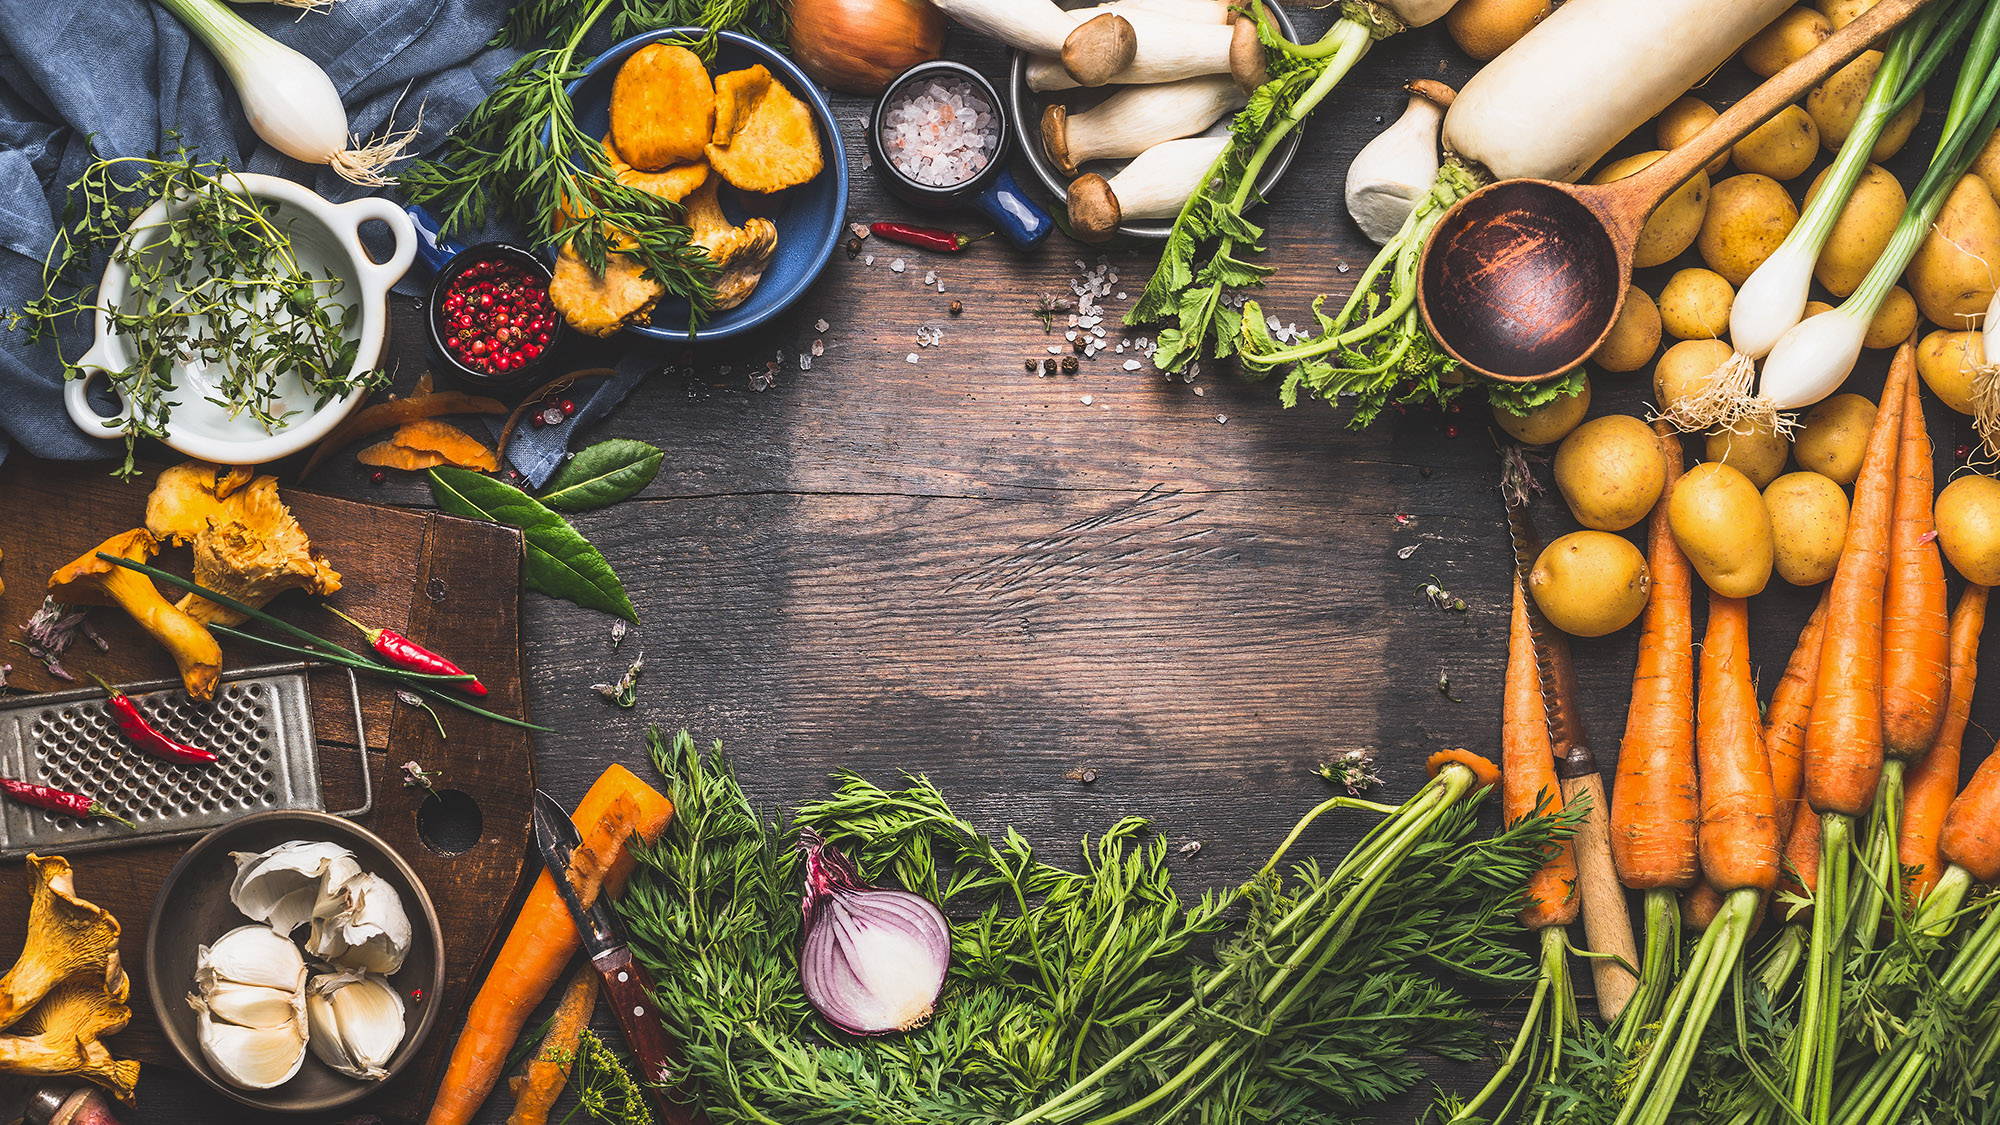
(1523, 279)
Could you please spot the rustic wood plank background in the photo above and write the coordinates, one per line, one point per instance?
(956, 567)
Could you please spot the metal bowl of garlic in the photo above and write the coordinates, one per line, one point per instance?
(1098, 129)
(354, 943)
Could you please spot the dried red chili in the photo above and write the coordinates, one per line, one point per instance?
(143, 734)
(403, 652)
(59, 800)
(927, 238)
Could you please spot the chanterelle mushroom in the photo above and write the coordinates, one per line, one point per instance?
(246, 542)
(90, 580)
(740, 253)
(68, 991)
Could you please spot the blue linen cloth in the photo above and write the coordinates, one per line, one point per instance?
(127, 73)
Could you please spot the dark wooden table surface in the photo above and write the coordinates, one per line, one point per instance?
(952, 566)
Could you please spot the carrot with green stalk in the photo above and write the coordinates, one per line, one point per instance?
(1933, 782)
(1738, 848)
(1653, 799)
(1843, 752)
(1528, 788)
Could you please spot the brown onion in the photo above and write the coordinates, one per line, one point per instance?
(860, 45)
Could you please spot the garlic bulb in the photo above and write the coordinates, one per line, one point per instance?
(356, 1021)
(281, 886)
(1396, 169)
(361, 925)
(255, 1058)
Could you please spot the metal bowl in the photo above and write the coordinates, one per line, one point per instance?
(1025, 106)
(193, 908)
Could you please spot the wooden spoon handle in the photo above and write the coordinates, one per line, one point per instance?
(1626, 204)
(1607, 924)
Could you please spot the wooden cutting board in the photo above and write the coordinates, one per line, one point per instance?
(451, 582)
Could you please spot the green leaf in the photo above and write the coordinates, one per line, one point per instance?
(561, 563)
(603, 474)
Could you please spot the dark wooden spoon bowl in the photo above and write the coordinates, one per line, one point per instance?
(1523, 279)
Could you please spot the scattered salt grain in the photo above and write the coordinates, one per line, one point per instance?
(1222, 418)
(912, 357)
(820, 326)
(942, 133)
(930, 277)
(860, 229)
(1086, 400)
(1131, 365)
(1054, 350)
(1199, 392)
(898, 265)
(868, 260)
(819, 346)
(805, 362)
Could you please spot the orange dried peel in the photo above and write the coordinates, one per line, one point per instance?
(1485, 771)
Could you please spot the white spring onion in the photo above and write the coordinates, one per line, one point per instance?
(1815, 357)
(1772, 300)
(290, 101)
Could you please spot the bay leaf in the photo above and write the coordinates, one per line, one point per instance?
(603, 474)
(560, 561)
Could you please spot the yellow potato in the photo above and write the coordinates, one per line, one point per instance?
(1808, 526)
(1840, 13)
(1685, 370)
(1814, 308)
(1948, 361)
(1968, 526)
(1590, 583)
(1895, 321)
(1634, 337)
(1837, 103)
(1747, 219)
(1953, 274)
(1484, 28)
(1694, 305)
(1675, 225)
(1785, 41)
(1833, 436)
(1987, 165)
(1719, 520)
(1861, 231)
(1549, 422)
(1679, 122)
(1611, 471)
(1753, 446)
(1781, 148)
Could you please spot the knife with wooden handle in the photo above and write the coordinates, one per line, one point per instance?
(1607, 920)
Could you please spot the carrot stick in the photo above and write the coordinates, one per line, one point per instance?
(1914, 618)
(1933, 780)
(1785, 720)
(618, 809)
(1739, 816)
(541, 1082)
(1653, 799)
(1528, 774)
(1971, 835)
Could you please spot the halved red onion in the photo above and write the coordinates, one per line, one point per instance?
(873, 960)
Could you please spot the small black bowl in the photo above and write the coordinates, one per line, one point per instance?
(993, 191)
(455, 262)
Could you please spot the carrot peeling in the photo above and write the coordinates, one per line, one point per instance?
(1485, 774)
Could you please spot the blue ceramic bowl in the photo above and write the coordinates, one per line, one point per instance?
(809, 217)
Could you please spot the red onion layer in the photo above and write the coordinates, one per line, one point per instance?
(873, 960)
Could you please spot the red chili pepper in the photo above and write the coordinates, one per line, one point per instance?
(145, 735)
(928, 238)
(59, 800)
(403, 652)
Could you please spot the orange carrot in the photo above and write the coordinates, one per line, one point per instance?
(1971, 835)
(1843, 753)
(1785, 720)
(1739, 817)
(1802, 851)
(542, 1080)
(1486, 772)
(1914, 657)
(1654, 810)
(1933, 780)
(618, 809)
(1528, 774)
(1699, 906)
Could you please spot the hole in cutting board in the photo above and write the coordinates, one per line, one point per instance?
(448, 822)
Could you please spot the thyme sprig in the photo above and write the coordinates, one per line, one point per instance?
(213, 281)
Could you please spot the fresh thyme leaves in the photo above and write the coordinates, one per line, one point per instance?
(1094, 994)
(213, 281)
(541, 21)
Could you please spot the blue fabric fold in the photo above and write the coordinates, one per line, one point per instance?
(126, 73)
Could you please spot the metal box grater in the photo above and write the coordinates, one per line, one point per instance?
(259, 725)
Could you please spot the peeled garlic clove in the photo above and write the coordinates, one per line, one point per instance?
(356, 1021)
(256, 955)
(255, 1058)
(362, 926)
(282, 886)
(254, 1005)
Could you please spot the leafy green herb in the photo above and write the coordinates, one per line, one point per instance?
(603, 474)
(1087, 994)
(541, 21)
(560, 562)
(606, 1090)
(213, 280)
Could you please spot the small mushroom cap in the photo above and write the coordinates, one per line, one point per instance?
(87, 579)
(1055, 137)
(1099, 48)
(67, 938)
(188, 496)
(1247, 61)
(253, 550)
(1093, 208)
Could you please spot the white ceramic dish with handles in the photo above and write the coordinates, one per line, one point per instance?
(326, 237)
